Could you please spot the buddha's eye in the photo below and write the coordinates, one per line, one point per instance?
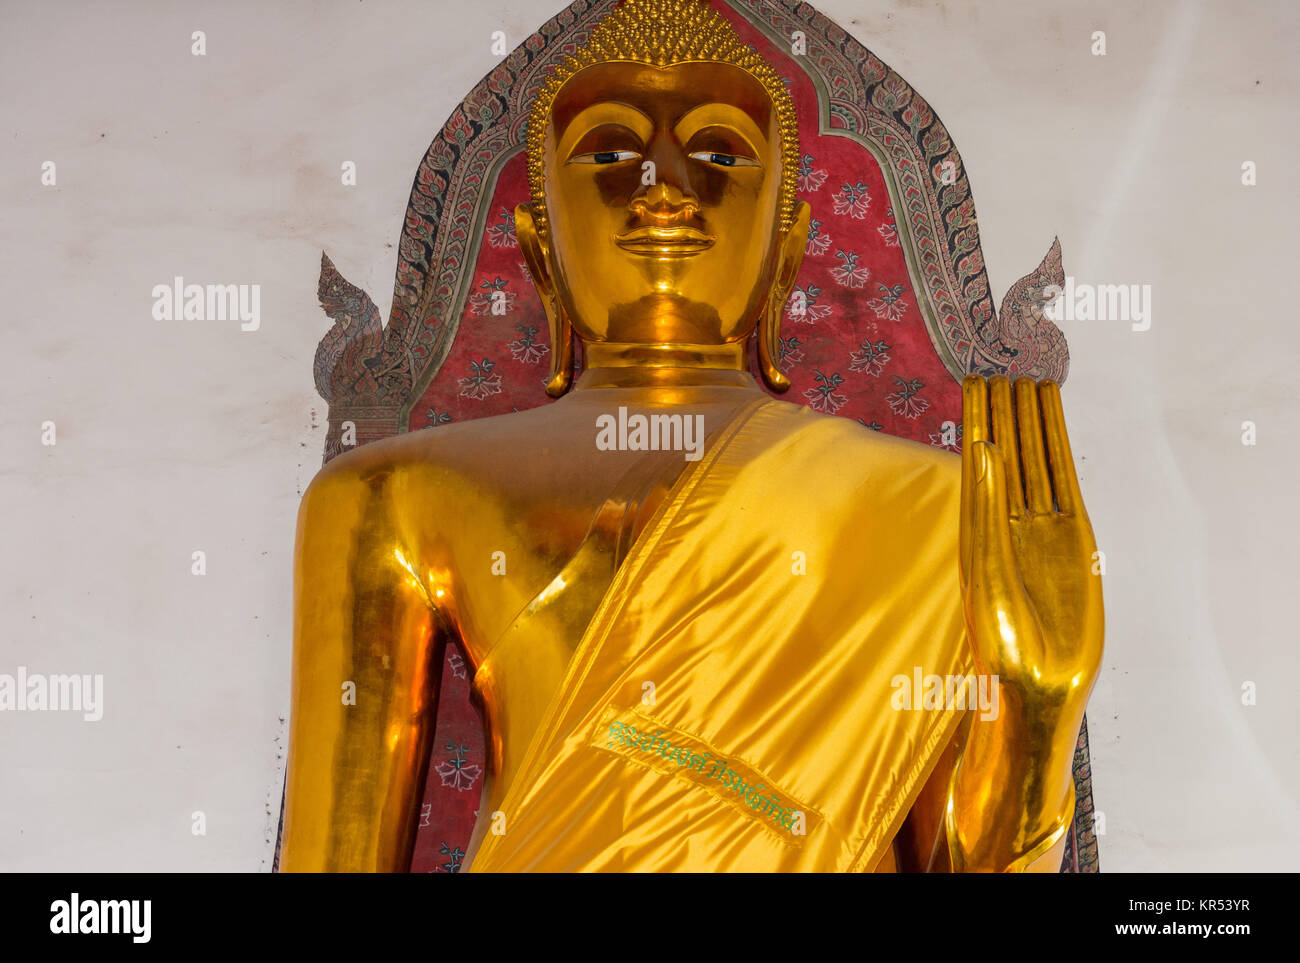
(605, 157)
(723, 160)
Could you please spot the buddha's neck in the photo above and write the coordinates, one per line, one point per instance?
(609, 364)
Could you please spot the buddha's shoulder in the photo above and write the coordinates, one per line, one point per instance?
(472, 450)
(845, 443)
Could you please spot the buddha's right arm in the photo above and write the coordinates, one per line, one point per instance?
(367, 658)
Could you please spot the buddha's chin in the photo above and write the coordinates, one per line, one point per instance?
(665, 318)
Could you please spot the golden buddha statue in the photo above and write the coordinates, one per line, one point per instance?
(687, 656)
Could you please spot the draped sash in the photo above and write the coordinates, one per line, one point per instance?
(732, 703)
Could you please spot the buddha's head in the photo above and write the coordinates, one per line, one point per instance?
(662, 159)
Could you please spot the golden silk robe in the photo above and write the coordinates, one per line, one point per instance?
(731, 705)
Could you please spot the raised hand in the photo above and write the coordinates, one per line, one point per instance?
(1033, 601)
(1033, 611)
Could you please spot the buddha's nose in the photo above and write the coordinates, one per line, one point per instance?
(664, 194)
(664, 201)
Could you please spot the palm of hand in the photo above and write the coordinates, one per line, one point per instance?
(1030, 572)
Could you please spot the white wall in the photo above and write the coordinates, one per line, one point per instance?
(183, 436)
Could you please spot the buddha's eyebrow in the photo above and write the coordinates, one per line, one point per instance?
(599, 114)
(722, 115)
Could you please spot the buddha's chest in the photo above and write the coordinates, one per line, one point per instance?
(547, 548)
(568, 558)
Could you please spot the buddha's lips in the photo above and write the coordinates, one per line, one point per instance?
(665, 241)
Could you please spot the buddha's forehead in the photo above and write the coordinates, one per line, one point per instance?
(664, 94)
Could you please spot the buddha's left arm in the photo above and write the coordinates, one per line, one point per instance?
(1010, 801)
(923, 843)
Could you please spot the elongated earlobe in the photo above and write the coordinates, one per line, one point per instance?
(793, 245)
(769, 345)
(561, 348)
(533, 247)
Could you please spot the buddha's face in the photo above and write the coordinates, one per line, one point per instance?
(662, 192)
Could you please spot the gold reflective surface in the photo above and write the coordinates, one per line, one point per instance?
(770, 572)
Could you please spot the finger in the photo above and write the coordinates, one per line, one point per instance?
(975, 418)
(994, 575)
(1004, 436)
(975, 409)
(1033, 461)
(1065, 482)
(998, 604)
(989, 521)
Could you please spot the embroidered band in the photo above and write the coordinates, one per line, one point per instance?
(634, 736)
